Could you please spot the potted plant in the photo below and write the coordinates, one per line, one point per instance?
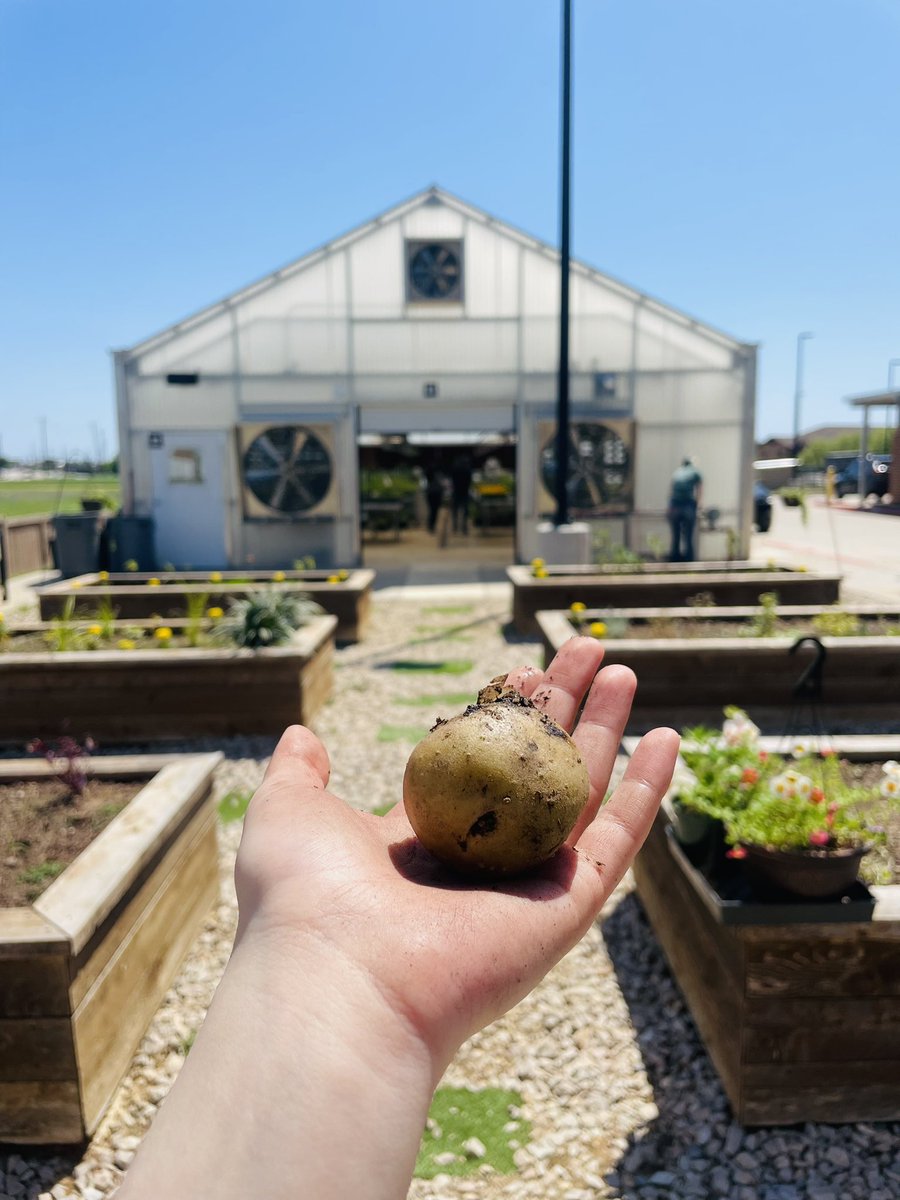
(797, 827)
(807, 831)
(726, 771)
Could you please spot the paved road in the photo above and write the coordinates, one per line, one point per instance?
(863, 547)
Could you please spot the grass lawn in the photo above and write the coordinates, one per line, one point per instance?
(45, 497)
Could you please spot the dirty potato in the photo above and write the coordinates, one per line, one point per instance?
(496, 790)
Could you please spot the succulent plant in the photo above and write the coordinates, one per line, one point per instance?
(266, 618)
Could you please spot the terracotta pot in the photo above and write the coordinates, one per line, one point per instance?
(819, 873)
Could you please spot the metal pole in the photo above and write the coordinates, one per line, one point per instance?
(562, 402)
(894, 362)
(798, 390)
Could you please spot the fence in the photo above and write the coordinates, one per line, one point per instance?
(25, 545)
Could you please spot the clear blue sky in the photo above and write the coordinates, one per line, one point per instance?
(739, 159)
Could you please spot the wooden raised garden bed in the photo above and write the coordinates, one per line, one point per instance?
(133, 597)
(799, 1011)
(147, 695)
(84, 968)
(661, 584)
(688, 681)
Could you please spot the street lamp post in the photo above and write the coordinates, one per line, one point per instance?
(894, 362)
(798, 389)
(562, 398)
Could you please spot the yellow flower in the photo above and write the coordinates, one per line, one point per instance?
(541, 573)
(125, 644)
(153, 583)
(163, 633)
(334, 579)
(2, 618)
(215, 577)
(95, 630)
(537, 562)
(343, 574)
(215, 613)
(577, 606)
(102, 576)
(279, 576)
(598, 629)
(131, 564)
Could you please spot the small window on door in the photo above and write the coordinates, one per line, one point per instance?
(184, 467)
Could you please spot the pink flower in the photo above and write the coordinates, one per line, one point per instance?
(819, 837)
(736, 852)
(816, 796)
(763, 756)
(750, 775)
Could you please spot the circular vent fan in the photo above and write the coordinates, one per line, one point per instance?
(598, 467)
(288, 469)
(434, 272)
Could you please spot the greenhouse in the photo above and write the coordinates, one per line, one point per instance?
(262, 429)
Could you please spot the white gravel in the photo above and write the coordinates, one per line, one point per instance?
(623, 1101)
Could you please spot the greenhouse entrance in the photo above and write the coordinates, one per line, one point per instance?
(437, 507)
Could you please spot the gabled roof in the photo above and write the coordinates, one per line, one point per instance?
(432, 195)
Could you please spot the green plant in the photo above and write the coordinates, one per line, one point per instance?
(470, 1127)
(131, 564)
(836, 623)
(764, 800)
(795, 497)
(39, 876)
(196, 610)
(105, 615)
(263, 619)
(656, 547)
(765, 620)
(307, 563)
(233, 806)
(64, 632)
(605, 550)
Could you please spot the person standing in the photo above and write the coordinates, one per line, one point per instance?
(461, 479)
(684, 498)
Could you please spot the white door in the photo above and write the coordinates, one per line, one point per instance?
(189, 504)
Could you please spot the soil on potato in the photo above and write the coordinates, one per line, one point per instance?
(43, 829)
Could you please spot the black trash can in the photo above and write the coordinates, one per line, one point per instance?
(131, 540)
(76, 543)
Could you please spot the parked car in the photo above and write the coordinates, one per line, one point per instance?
(875, 477)
(762, 507)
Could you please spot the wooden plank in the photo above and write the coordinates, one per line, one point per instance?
(822, 1030)
(40, 1113)
(36, 986)
(835, 964)
(107, 766)
(25, 933)
(706, 962)
(114, 1015)
(35, 1049)
(786, 1094)
(94, 958)
(86, 892)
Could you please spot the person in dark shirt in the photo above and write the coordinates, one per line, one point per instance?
(461, 479)
(684, 498)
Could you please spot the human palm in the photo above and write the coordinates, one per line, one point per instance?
(447, 954)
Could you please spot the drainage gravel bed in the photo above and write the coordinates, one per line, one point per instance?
(621, 1097)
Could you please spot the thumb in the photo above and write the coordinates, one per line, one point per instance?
(299, 758)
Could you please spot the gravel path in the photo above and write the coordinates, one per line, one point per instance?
(622, 1099)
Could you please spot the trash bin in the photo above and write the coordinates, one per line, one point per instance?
(76, 542)
(131, 539)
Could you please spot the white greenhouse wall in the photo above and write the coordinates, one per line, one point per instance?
(335, 338)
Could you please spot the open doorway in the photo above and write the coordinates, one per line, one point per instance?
(437, 506)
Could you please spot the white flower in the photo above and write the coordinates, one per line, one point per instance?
(739, 731)
(780, 788)
(799, 748)
(803, 787)
(890, 786)
(892, 769)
